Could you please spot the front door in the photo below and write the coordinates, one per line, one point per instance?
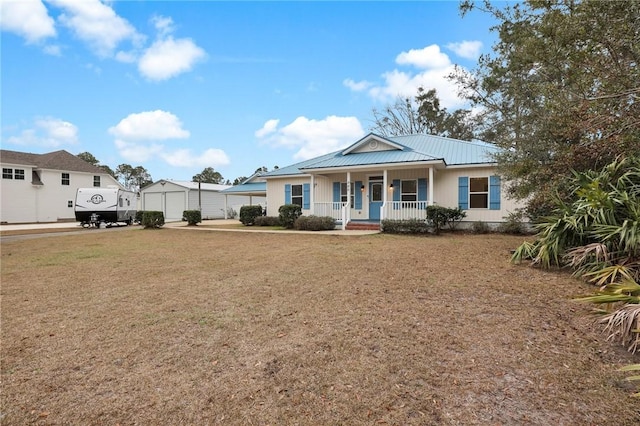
(375, 200)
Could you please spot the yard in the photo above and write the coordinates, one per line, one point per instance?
(178, 326)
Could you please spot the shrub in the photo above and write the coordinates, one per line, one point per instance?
(480, 227)
(152, 219)
(315, 223)
(248, 214)
(411, 226)
(139, 214)
(454, 216)
(193, 217)
(513, 224)
(267, 221)
(288, 214)
(437, 217)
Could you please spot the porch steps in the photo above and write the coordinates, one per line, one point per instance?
(363, 226)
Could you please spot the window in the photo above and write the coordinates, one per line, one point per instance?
(65, 179)
(69, 203)
(120, 202)
(479, 193)
(18, 174)
(96, 181)
(343, 193)
(296, 194)
(409, 190)
(7, 173)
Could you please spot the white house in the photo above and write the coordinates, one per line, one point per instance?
(379, 178)
(174, 197)
(42, 187)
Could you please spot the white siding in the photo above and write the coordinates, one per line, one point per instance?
(275, 193)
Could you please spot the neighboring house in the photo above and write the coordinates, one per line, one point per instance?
(379, 178)
(174, 197)
(42, 187)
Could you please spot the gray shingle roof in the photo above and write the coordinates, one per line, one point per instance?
(57, 160)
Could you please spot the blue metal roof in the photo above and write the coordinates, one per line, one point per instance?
(414, 148)
(246, 188)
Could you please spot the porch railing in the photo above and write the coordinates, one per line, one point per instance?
(332, 209)
(403, 210)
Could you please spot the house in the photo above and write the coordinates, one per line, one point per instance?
(174, 197)
(397, 177)
(42, 187)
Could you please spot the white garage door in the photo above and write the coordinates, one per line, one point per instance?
(153, 201)
(175, 205)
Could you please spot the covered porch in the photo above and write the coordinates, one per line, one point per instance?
(370, 196)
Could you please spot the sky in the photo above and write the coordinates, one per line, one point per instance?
(178, 86)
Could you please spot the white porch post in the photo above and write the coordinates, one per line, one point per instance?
(385, 194)
(349, 196)
(225, 206)
(312, 191)
(430, 195)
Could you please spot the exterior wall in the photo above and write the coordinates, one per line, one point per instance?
(445, 190)
(446, 194)
(23, 202)
(275, 193)
(213, 203)
(167, 197)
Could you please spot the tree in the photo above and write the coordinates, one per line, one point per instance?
(239, 180)
(133, 178)
(89, 158)
(560, 91)
(208, 175)
(423, 114)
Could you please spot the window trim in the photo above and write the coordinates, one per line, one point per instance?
(18, 174)
(96, 179)
(67, 179)
(484, 193)
(343, 196)
(7, 173)
(301, 196)
(414, 194)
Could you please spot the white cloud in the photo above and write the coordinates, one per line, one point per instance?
(433, 68)
(47, 132)
(53, 50)
(27, 18)
(269, 127)
(312, 137)
(168, 58)
(429, 57)
(163, 24)
(137, 152)
(149, 125)
(97, 24)
(185, 158)
(466, 49)
(357, 86)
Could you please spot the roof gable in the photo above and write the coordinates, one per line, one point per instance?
(372, 143)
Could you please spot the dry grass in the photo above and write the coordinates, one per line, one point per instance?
(179, 326)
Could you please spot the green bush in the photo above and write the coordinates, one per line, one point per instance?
(152, 219)
(454, 216)
(439, 217)
(139, 214)
(315, 223)
(248, 214)
(267, 221)
(411, 226)
(193, 217)
(513, 224)
(288, 214)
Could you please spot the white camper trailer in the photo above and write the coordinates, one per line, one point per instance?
(105, 206)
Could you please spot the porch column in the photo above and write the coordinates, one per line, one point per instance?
(225, 206)
(385, 194)
(430, 196)
(312, 191)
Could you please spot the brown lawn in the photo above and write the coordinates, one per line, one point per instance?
(183, 326)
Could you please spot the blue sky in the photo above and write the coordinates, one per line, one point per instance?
(179, 86)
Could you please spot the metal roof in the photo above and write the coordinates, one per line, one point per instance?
(247, 188)
(404, 149)
(193, 185)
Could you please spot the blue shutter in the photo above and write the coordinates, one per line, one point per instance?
(463, 192)
(306, 197)
(396, 193)
(422, 190)
(494, 193)
(336, 193)
(287, 193)
(358, 195)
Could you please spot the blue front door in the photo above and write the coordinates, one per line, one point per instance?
(375, 200)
